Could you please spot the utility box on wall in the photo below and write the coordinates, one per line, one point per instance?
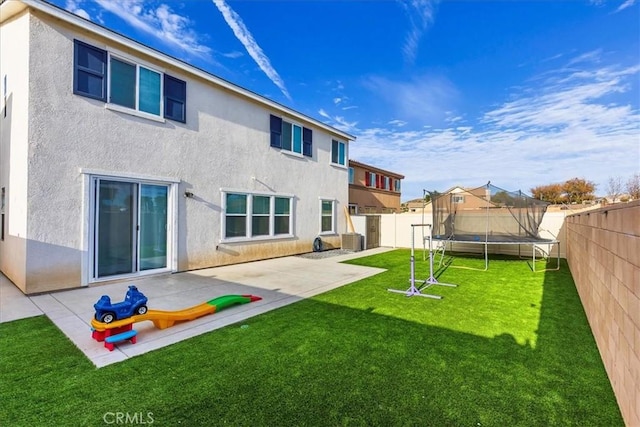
(352, 242)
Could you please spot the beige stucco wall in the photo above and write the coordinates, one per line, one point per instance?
(14, 147)
(604, 257)
(223, 146)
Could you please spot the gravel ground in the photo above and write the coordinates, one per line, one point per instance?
(325, 254)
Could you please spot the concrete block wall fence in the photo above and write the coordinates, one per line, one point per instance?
(604, 258)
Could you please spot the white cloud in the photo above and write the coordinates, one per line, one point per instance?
(246, 38)
(589, 57)
(420, 13)
(160, 22)
(421, 98)
(626, 4)
(567, 125)
(233, 55)
(73, 6)
(338, 122)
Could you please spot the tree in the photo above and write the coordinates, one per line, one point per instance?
(614, 188)
(633, 186)
(578, 190)
(551, 193)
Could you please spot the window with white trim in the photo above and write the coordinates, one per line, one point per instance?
(457, 199)
(327, 216)
(338, 152)
(371, 179)
(249, 216)
(134, 86)
(290, 137)
(351, 176)
(107, 77)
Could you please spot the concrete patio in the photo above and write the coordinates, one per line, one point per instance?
(279, 281)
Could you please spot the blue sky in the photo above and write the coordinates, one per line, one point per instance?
(521, 93)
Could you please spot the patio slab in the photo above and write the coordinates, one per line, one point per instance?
(279, 281)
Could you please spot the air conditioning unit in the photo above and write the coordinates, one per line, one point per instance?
(352, 242)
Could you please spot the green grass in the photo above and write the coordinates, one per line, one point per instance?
(508, 347)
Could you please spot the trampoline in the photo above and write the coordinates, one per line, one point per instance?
(490, 216)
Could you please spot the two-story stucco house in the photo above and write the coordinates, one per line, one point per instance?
(118, 161)
(373, 190)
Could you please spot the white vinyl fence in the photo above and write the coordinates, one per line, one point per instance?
(395, 232)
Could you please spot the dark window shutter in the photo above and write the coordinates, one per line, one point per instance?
(307, 144)
(89, 71)
(367, 179)
(175, 99)
(276, 131)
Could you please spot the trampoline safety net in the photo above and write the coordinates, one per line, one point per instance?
(487, 214)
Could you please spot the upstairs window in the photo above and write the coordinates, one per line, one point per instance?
(396, 185)
(351, 176)
(100, 75)
(290, 136)
(175, 97)
(90, 71)
(134, 86)
(370, 179)
(338, 152)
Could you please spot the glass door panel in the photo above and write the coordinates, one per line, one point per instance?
(153, 226)
(115, 228)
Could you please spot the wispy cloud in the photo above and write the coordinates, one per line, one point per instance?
(246, 38)
(420, 98)
(339, 122)
(160, 22)
(626, 4)
(567, 125)
(73, 6)
(589, 57)
(421, 15)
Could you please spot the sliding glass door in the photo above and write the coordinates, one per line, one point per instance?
(130, 227)
(153, 226)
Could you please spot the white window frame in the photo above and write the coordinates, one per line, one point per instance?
(352, 175)
(134, 111)
(249, 237)
(457, 198)
(373, 180)
(346, 155)
(333, 216)
(89, 224)
(291, 151)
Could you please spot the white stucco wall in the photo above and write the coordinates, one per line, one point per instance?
(14, 148)
(223, 145)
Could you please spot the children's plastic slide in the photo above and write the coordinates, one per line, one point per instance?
(164, 319)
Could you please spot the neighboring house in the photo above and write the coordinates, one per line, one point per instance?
(118, 161)
(415, 206)
(373, 190)
(463, 198)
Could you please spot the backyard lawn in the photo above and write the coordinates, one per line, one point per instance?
(507, 347)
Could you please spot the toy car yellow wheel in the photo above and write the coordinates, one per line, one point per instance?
(108, 318)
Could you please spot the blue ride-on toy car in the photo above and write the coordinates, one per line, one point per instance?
(134, 303)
